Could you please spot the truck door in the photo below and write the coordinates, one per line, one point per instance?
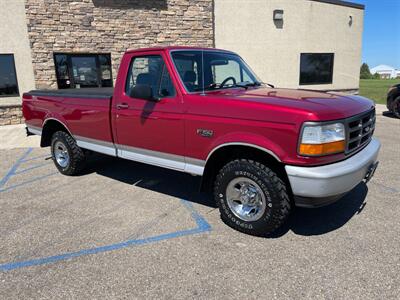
(146, 130)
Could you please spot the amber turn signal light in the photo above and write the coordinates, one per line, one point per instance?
(322, 149)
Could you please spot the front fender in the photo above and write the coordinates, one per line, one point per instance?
(247, 139)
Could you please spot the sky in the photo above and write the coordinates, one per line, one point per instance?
(381, 38)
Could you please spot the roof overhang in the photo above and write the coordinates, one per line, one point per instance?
(342, 3)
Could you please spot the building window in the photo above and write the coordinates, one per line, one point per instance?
(316, 68)
(83, 70)
(8, 76)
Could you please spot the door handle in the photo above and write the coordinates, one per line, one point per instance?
(122, 106)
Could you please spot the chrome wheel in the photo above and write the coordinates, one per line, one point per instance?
(61, 154)
(245, 199)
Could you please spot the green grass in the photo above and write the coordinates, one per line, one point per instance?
(376, 89)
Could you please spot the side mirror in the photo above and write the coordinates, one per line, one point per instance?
(143, 91)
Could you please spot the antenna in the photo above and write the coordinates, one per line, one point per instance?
(202, 72)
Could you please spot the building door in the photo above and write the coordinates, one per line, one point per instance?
(83, 70)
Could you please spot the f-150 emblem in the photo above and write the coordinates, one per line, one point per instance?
(205, 132)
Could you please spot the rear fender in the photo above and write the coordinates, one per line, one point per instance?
(48, 128)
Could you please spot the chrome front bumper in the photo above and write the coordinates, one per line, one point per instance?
(318, 186)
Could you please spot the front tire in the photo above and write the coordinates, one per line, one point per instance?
(67, 156)
(251, 197)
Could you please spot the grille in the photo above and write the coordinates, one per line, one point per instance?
(359, 131)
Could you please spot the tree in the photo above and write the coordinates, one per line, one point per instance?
(376, 76)
(365, 72)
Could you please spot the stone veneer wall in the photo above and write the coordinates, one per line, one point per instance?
(11, 115)
(112, 26)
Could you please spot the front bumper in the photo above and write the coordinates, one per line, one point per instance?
(318, 186)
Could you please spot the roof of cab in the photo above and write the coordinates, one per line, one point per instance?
(172, 48)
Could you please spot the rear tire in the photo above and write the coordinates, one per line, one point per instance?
(396, 107)
(67, 156)
(251, 197)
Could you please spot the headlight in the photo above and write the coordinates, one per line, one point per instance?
(317, 140)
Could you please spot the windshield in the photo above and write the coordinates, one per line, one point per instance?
(221, 70)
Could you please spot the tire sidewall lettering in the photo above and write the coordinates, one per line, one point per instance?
(261, 178)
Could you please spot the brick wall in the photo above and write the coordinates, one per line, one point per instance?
(10, 115)
(112, 26)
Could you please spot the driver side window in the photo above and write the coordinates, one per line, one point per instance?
(150, 70)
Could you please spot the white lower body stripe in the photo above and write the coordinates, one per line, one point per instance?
(34, 129)
(102, 147)
(161, 159)
(166, 160)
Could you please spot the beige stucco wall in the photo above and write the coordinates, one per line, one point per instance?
(247, 27)
(14, 40)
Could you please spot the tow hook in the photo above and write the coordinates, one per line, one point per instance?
(371, 171)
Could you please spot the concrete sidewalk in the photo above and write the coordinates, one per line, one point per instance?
(380, 109)
(14, 136)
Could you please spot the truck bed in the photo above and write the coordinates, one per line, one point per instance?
(83, 112)
(93, 93)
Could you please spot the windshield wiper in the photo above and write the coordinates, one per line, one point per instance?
(242, 84)
(260, 83)
(247, 84)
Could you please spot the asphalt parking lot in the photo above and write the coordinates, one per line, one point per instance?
(127, 230)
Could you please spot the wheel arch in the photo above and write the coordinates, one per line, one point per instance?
(50, 126)
(224, 153)
(240, 144)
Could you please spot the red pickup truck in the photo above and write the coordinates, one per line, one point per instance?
(260, 149)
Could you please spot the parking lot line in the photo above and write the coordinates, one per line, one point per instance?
(14, 171)
(14, 168)
(36, 157)
(27, 182)
(202, 226)
(32, 168)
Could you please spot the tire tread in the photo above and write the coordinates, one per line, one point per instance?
(280, 214)
(77, 156)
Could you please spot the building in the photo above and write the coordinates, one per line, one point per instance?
(296, 44)
(313, 44)
(16, 69)
(385, 72)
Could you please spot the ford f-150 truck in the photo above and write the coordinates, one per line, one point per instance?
(261, 150)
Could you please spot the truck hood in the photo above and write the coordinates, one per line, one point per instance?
(324, 106)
